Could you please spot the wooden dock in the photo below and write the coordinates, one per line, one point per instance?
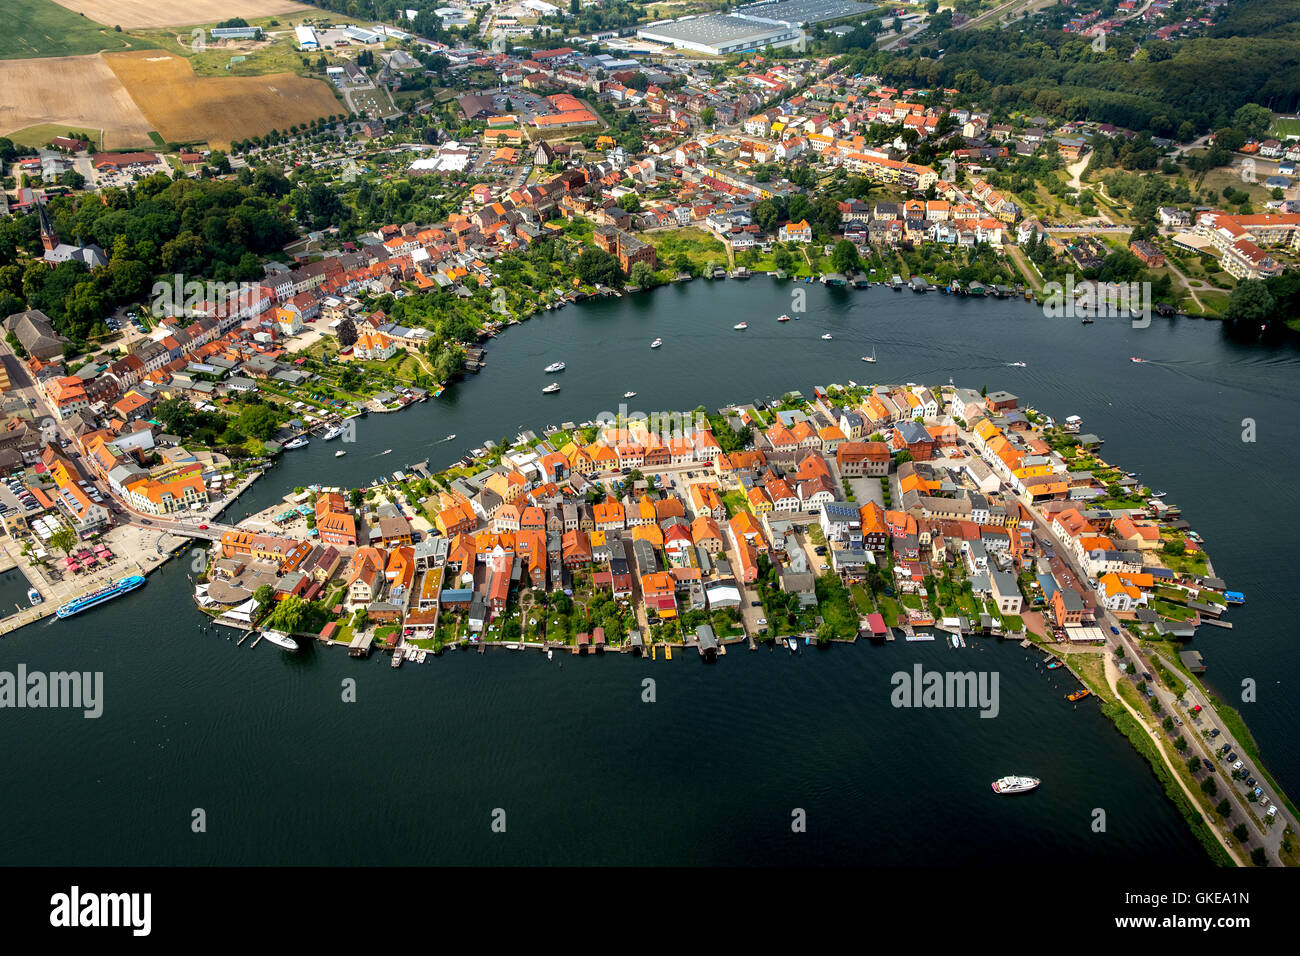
(1214, 622)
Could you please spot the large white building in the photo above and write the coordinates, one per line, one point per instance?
(307, 39)
(720, 34)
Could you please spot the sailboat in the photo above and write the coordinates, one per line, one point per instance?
(871, 357)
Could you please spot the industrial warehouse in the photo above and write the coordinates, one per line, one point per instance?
(752, 27)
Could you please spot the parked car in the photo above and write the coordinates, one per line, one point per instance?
(762, 622)
(1114, 630)
(1237, 765)
(755, 603)
(1214, 732)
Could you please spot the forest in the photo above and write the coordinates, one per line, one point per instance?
(1252, 55)
(202, 229)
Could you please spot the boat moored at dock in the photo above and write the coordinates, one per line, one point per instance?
(95, 598)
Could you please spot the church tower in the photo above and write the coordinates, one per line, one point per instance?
(49, 238)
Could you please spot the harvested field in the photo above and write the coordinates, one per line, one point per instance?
(151, 13)
(72, 91)
(185, 108)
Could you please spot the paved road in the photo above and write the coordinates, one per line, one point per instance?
(1270, 836)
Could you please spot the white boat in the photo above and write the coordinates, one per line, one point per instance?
(1016, 364)
(334, 431)
(386, 451)
(1015, 784)
(299, 442)
(1134, 358)
(656, 343)
(551, 389)
(783, 318)
(794, 645)
(826, 337)
(741, 326)
(629, 394)
(555, 367)
(340, 453)
(550, 654)
(871, 357)
(280, 639)
(34, 596)
(1159, 494)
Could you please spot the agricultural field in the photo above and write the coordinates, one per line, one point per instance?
(76, 92)
(185, 108)
(152, 13)
(37, 28)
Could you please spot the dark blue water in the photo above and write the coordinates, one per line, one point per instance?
(710, 773)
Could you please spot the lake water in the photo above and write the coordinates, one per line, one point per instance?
(713, 770)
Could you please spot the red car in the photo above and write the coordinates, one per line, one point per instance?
(203, 527)
(1196, 709)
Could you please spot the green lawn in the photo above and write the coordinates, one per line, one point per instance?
(1285, 127)
(698, 246)
(38, 28)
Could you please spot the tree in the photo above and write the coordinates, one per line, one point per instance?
(289, 614)
(355, 497)
(630, 202)
(1194, 764)
(642, 275)
(1209, 787)
(1250, 301)
(258, 421)
(264, 595)
(1253, 119)
(65, 539)
(844, 257)
(1258, 856)
(708, 115)
(347, 331)
(598, 266)
(1224, 808)
(1240, 832)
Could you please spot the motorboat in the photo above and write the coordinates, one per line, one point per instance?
(1015, 784)
(555, 367)
(551, 389)
(826, 337)
(340, 453)
(34, 596)
(334, 431)
(280, 639)
(1134, 358)
(1016, 364)
(299, 442)
(629, 394)
(783, 318)
(656, 343)
(741, 326)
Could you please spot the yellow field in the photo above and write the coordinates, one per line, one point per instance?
(185, 108)
(152, 13)
(74, 92)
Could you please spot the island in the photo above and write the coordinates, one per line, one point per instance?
(861, 512)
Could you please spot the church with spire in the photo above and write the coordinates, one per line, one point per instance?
(57, 252)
